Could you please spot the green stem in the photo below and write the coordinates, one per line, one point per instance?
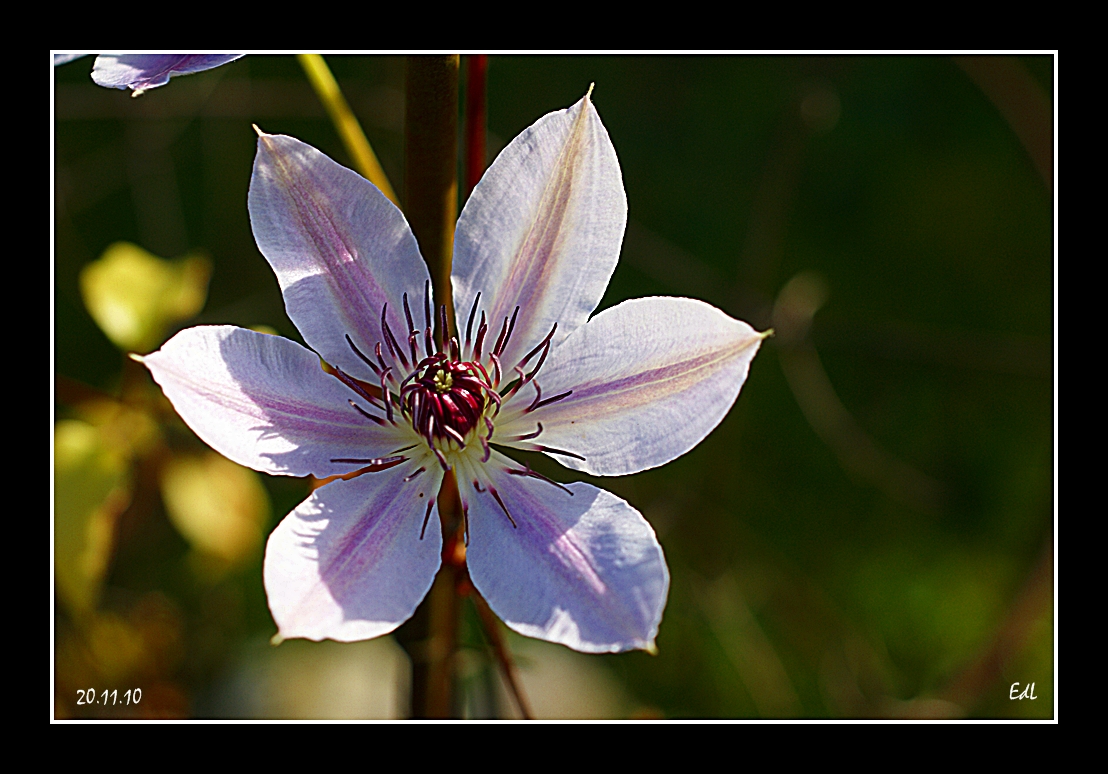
(361, 153)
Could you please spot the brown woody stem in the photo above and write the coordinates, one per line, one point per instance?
(431, 164)
(430, 204)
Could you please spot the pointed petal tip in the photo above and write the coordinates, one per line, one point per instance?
(136, 357)
(651, 648)
(276, 639)
(586, 572)
(588, 94)
(259, 131)
(662, 389)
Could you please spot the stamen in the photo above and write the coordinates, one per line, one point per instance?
(538, 404)
(350, 382)
(496, 495)
(374, 465)
(413, 475)
(367, 415)
(387, 397)
(428, 344)
(482, 329)
(526, 437)
(495, 369)
(541, 344)
(454, 434)
(542, 359)
(494, 396)
(407, 386)
(500, 340)
(484, 373)
(380, 359)
(426, 516)
(515, 386)
(551, 450)
(408, 315)
(468, 382)
(366, 360)
(501, 346)
(472, 312)
(390, 340)
(532, 474)
(538, 397)
(442, 328)
(414, 403)
(441, 457)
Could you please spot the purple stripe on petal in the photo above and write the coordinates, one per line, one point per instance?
(348, 564)
(543, 228)
(652, 383)
(265, 402)
(584, 570)
(340, 249)
(650, 378)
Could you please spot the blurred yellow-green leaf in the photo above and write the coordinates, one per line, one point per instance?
(136, 297)
(124, 428)
(219, 507)
(90, 490)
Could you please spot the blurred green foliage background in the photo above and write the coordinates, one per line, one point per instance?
(869, 533)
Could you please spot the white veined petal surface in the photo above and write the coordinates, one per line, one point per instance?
(348, 564)
(582, 569)
(264, 402)
(339, 248)
(650, 378)
(542, 230)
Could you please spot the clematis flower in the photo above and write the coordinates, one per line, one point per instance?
(386, 393)
(141, 72)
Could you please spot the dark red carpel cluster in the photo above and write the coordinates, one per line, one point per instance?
(448, 399)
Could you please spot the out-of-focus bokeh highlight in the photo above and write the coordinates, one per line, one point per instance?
(869, 533)
(136, 297)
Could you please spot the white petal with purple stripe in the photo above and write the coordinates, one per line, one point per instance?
(340, 249)
(349, 563)
(543, 228)
(580, 567)
(649, 379)
(265, 402)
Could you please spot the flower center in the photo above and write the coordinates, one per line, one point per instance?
(446, 399)
(448, 396)
(452, 392)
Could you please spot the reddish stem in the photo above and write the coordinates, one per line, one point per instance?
(476, 118)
